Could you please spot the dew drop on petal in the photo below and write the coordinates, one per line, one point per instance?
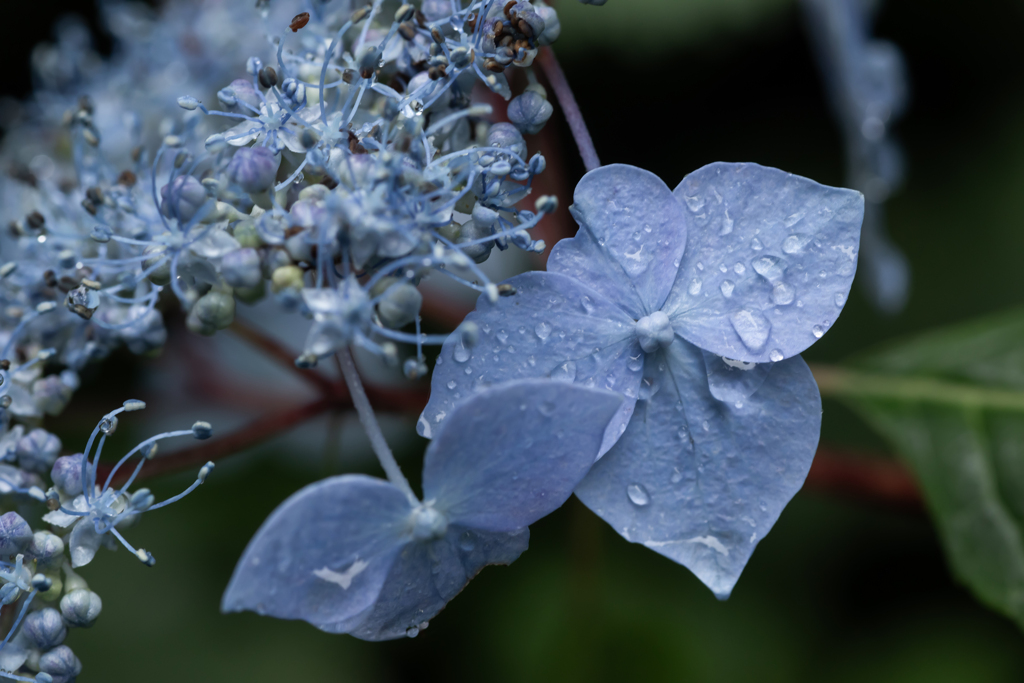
(677, 476)
(694, 288)
(739, 269)
(638, 494)
(794, 244)
(451, 384)
(461, 354)
(566, 372)
(502, 336)
(466, 541)
(751, 327)
(775, 355)
(768, 267)
(543, 330)
(840, 298)
(756, 245)
(727, 286)
(636, 362)
(412, 631)
(817, 331)
(783, 294)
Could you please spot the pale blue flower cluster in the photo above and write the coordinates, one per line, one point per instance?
(653, 370)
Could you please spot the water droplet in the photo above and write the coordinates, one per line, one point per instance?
(694, 288)
(522, 330)
(727, 286)
(677, 476)
(738, 404)
(566, 372)
(543, 330)
(724, 268)
(502, 336)
(695, 203)
(466, 541)
(412, 631)
(636, 362)
(532, 361)
(739, 269)
(817, 331)
(775, 355)
(451, 384)
(840, 298)
(700, 266)
(587, 304)
(783, 294)
(794, 244)
(756, 245)
(486, 328)
(547, 408)
(727, 224)
(751, 327)
(638, 494)
(461, 354)
(794, 219)
(706, 426)
(768, 267)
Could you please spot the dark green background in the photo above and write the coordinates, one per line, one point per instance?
(842, 590)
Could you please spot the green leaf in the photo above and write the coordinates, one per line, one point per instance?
(951, 403)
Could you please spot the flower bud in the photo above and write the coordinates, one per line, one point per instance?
(506, 136)
(399, 306)
(46, 548)
(182, 198)
(242, 268)
(15, 534)
(37, 451)
(254, 169)
(81, 607)
(45, 628)
(215, 309)
(60, 663)
(529, 112)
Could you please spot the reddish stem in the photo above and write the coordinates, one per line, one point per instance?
(570, 109)
(857, 476)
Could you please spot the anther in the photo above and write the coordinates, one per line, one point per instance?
(299, 21)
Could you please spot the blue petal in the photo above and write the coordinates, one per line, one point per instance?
(515, 452)
(769, 261)
(732, 380)
(702, 481)
(427, 575)
(323, 554)
(552, 327)
(631, 237)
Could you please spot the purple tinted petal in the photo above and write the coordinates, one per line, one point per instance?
(732, 380)
(702, 481)
(425, 576)
(631, 238)
(552, 327)
(514, 453)
(769, 262)
(323, 554)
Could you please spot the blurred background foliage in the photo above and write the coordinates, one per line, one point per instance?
(842, 590)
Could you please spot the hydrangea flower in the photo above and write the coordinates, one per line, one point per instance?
(354, 554)
(89, 511)
(692, 304)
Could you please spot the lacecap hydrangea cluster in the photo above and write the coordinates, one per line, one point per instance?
(653, 370)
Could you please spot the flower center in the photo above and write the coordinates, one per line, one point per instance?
(428, 523)
(653, 331)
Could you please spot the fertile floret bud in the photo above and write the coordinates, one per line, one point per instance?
(60, 663)
(15, 534)
(182, 198)
(529, 112)
(254, 169)
(45, 628)
(399, 306)
(37, 451)
(81, 607)
(242, 268)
